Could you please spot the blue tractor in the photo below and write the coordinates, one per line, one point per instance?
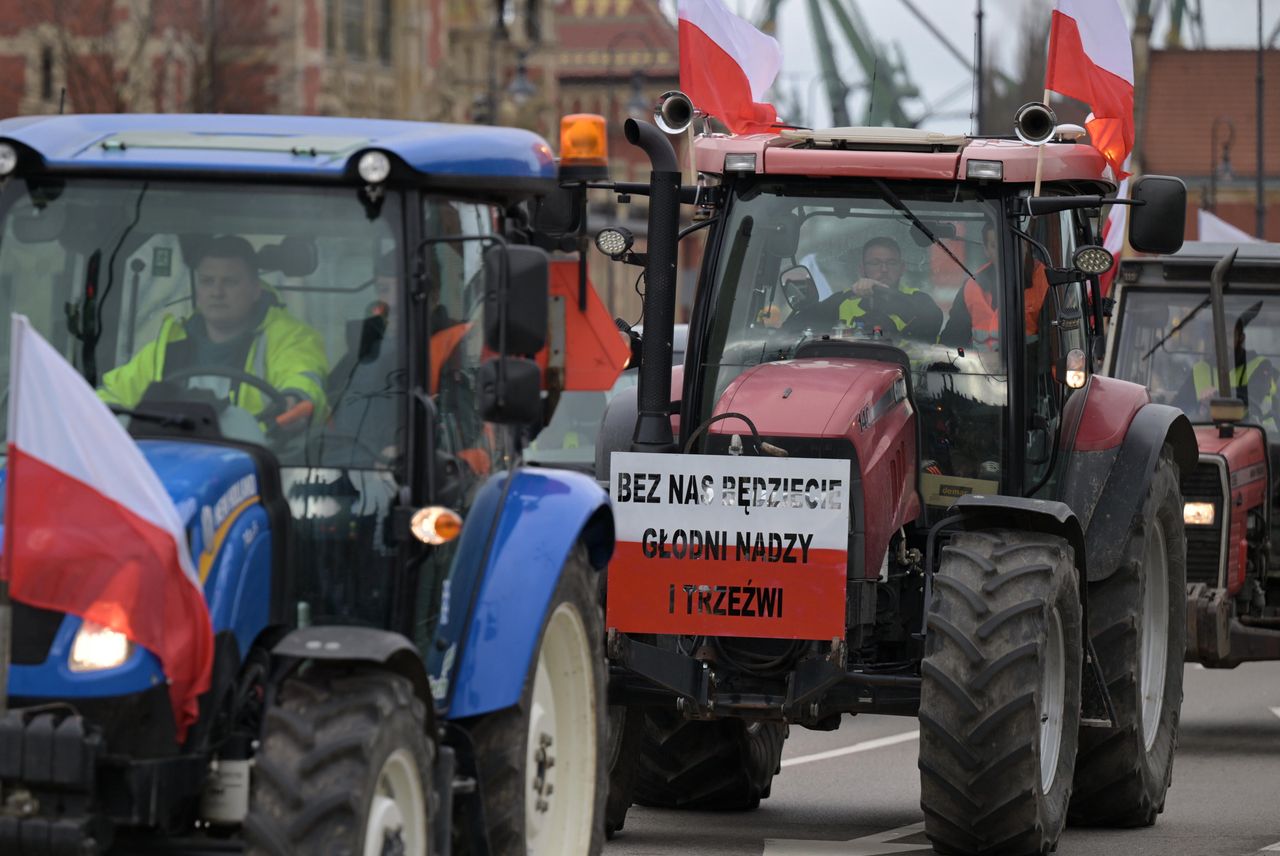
(409, 652)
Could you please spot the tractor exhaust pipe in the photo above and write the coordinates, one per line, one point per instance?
(1226, 408)
(653, 422)
(1218, 284)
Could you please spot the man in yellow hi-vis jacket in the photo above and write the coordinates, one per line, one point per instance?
(238, 324)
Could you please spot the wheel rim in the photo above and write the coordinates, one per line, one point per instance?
(1053, 692)
(561, 746)
(397, 824)
(1154, 632)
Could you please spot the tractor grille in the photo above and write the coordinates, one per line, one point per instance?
(1204, 543)
(33, 632)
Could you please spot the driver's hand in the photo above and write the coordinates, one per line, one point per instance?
(296, 415)
(866, 286)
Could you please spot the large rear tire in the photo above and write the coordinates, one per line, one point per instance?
(1138, 623)
(721, 765)
(344, 768)
(626, 733)
(1000, 696)
(542, 762)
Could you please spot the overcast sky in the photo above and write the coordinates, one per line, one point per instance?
(941, 77)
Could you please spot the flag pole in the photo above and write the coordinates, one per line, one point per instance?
(6, 562)
(1040, 155)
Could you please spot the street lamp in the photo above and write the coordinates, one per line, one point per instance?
(638, 107)
(521, 88)
(1214, 168)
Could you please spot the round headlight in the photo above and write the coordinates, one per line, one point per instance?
(614, 241)
(1093, 260)
(8, 158)
(374, 167)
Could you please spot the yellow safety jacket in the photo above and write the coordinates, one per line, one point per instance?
(852, 309)
(1205, 378)
(285, 352)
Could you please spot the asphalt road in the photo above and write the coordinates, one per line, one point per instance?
(1225, 799)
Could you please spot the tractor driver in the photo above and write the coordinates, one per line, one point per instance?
(1254, 378)
(240, 325)
(878, 300)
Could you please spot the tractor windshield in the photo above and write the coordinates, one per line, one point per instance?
(1166, 344)
(281, 310)
(801, 260)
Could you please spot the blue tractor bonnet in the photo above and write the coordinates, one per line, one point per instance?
(284, 146)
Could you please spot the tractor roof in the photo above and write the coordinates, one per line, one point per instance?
(1189, 267)
(899, 153)
(279, 146)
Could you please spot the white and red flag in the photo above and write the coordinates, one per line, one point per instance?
(727, 66)
(88, 527)
(1091, 60)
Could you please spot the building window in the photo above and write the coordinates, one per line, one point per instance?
(331, 27)
(382, 28)
(46, 73)
(353, 28)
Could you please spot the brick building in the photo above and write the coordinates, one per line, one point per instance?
(1201, 117)
(352, 57)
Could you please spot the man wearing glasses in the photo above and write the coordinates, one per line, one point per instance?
(879, 299)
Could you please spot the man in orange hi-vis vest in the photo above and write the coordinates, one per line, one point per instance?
(975, 315)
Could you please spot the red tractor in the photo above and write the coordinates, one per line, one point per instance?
(886, 480)
(1185, 321)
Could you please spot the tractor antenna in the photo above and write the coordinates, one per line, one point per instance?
(871, 105)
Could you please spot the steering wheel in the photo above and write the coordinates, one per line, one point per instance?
(277, 398)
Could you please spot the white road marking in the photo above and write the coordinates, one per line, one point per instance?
(1273, 848)
(864, 746)
(876, 844)
(1276, 711)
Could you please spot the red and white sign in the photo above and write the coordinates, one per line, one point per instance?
(721, 545)
(727, 65)
(1091, 60)
(89, 528)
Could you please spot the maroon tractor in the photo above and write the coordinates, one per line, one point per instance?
(1201, 329)
(887, 480)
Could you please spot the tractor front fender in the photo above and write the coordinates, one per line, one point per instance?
(542, 516)
(343, 643)
(1112, 484)
(1017, 512)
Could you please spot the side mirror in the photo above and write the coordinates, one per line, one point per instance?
(1158, 226)
(515, 299)
(560, 212)
(510, 391)
(1038, 451)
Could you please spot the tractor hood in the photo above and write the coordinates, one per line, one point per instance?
(806, 398)
(206, 482)
(1246, 447)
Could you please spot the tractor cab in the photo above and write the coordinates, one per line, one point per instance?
(1167, 337)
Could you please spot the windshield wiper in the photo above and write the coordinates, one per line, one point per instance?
(168, 420)
(1176, 327)
(896, 202)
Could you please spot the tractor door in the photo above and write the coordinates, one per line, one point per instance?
(1051, 324)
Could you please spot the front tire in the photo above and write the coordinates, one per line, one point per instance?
(344, 768)
(542, 762)
(1000, 694)
(722, 765)
(1138, 621)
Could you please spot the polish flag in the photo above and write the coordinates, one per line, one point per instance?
(1091, 60)
(88, 527)
(727, 65)
(1113, 234)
